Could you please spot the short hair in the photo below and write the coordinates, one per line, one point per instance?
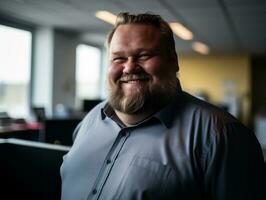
(166, 36)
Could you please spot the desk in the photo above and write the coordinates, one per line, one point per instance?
(30, 170)
(27, 131)
(264, 154)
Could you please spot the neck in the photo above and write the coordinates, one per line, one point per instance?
(131, 119)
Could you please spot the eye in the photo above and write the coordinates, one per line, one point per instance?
(144, 56)
(118, 59)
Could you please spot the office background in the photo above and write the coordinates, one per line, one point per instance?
(51, 77)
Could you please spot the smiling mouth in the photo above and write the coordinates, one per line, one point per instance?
(131, 79)
(134, 81)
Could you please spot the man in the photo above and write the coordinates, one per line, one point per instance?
(151, 140)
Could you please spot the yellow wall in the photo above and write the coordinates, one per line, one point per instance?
(208, 74)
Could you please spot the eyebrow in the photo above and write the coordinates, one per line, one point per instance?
(117, 53)
(136, 51)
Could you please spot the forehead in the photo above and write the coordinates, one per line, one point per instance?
(135, 35)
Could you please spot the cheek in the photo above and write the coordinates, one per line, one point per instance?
(161, 69)
(114, 72)
(156, 69)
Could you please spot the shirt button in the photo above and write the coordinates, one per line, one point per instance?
(108, 161)
(94, 191)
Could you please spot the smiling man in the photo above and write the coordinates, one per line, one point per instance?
(150, 140)
(142, 76)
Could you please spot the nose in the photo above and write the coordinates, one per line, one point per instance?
(130, 66)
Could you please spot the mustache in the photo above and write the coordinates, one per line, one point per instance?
(133, 77)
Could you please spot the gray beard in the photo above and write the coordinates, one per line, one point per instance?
(150, 99)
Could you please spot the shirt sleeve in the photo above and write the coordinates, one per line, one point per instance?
(235, 166)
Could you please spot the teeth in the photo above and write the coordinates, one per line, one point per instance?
(133, 80)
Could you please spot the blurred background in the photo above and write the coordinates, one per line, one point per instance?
(53, 60)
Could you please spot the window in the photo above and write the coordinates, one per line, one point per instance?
(88, 73)
(15, 70)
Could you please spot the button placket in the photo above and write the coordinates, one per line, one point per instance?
(109, 162)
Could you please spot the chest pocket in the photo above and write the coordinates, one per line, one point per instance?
(145, 179)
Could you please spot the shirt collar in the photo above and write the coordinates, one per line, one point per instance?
(107, 111)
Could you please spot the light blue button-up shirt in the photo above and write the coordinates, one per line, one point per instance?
(188, 150)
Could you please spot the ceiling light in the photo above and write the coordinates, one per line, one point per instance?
(106, 16)
(200, 48)
(181, 31)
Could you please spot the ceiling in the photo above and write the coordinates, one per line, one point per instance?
(226, 26)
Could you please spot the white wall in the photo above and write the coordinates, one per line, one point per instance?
(43, 69)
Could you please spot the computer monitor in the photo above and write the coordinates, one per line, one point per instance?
(60, 131)
(88, 104)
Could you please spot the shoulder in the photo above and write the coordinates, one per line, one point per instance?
(218, 127)
(211, 125)
(216, 131)
(200, 111)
